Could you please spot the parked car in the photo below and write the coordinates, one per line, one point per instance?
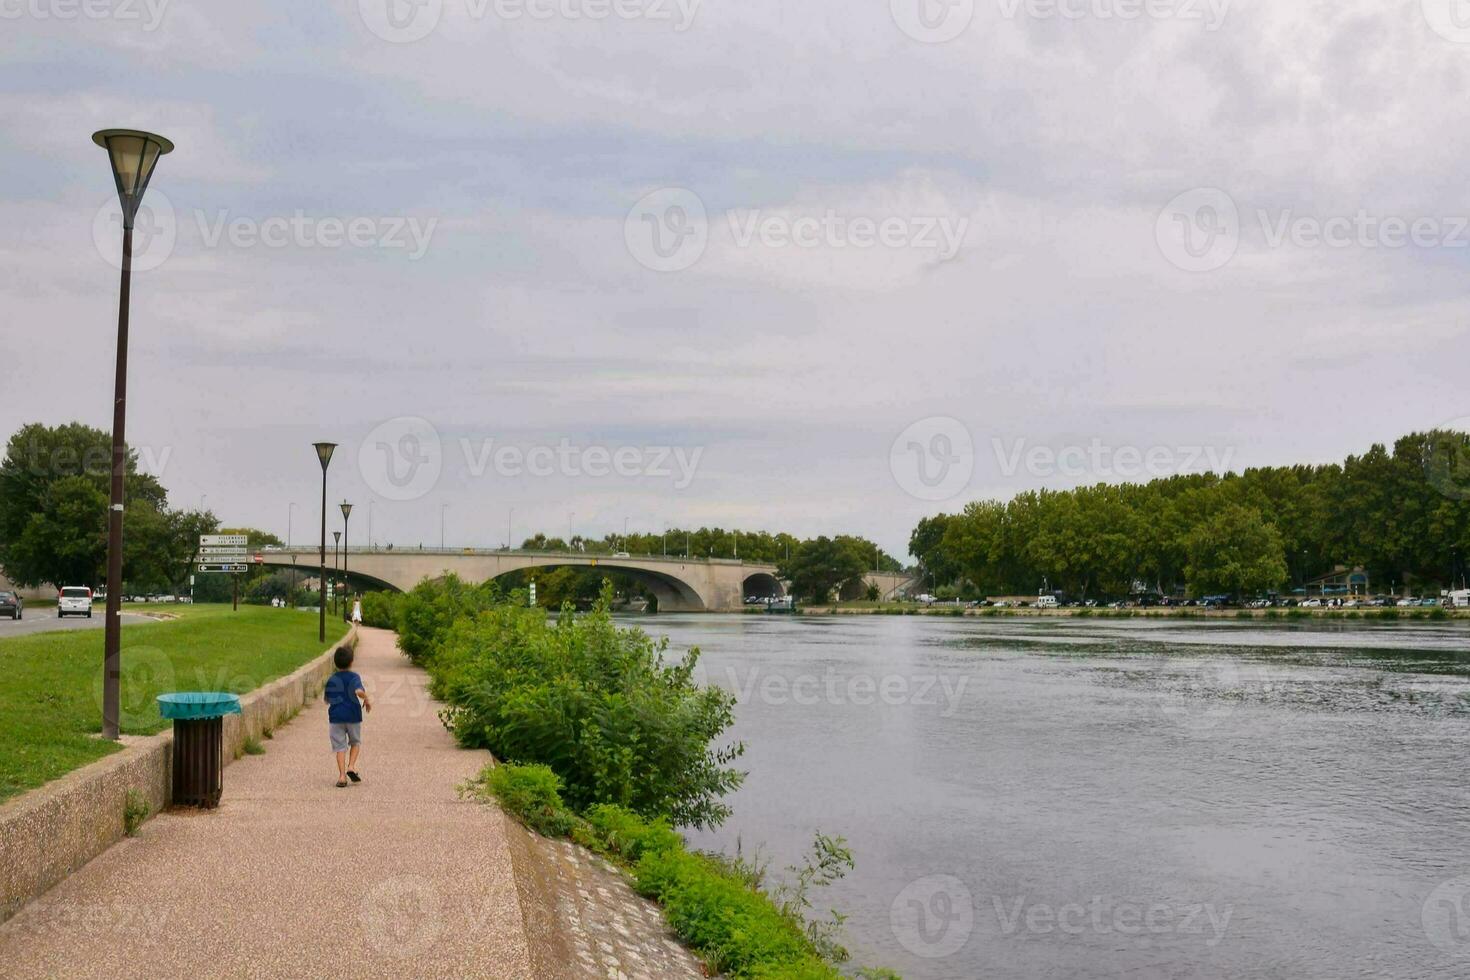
(11, 605)
(74, 600)
(1429, 602)
(1405, 603)
(1311, 603)
(1260, 603)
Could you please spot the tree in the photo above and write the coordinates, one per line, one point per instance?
(54, 488)
(823, 564)
(1235, 552)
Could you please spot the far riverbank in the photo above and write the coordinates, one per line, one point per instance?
(1385, 614)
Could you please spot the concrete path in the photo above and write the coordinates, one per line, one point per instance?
(292, 877)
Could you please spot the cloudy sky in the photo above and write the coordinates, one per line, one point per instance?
(824, 266)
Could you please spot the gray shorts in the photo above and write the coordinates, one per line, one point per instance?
(345, 733)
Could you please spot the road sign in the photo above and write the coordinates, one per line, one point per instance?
(223, 540)
(222, 551)
(259, 558)
(223, 568)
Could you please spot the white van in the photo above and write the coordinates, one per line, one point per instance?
(1458, 598)
(74, 600)
(1047, 602)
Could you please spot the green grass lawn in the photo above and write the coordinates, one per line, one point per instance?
(51, 683)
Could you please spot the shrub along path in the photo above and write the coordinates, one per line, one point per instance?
(397, 876)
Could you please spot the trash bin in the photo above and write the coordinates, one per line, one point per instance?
(198, 718)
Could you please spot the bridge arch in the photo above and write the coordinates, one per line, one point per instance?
(762, 585)
(672, 594)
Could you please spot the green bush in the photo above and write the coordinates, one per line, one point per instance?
(597, 704)
(532, 794)
(426, 614)
(624, 835)
(381, 609)
(736, 929)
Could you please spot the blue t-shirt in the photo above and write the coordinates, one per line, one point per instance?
(341, 697)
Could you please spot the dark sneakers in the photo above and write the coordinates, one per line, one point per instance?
(353, 776)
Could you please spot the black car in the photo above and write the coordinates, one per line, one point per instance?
(11, 605)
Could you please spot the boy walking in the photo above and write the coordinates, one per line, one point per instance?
(346, 698)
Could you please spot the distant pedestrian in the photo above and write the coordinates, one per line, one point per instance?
(357, 610)
(346, 699)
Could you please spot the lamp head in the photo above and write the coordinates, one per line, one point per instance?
(346, 510)
(324, 452)
(133, 154)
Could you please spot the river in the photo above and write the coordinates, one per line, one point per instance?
(1127, 798)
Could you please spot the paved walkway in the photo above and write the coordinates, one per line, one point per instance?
(292, 877)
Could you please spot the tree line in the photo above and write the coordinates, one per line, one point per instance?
(815, 567)
(1403, 515)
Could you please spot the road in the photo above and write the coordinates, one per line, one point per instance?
(43, 620)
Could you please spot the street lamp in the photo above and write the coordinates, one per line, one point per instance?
(346, 513)
(442, 509)
(336, 567)
(133, 155)
(324, 452)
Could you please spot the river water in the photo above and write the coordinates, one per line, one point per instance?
(1130, 798)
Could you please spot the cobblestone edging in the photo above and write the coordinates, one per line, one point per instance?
(52, 830)
(584, 920)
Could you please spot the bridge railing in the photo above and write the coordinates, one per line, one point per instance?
(312, 550)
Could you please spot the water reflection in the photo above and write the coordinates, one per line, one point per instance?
(1052, 798)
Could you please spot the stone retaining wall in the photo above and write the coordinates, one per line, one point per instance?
(51, 831)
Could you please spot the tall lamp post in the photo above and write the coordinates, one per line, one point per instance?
(133, 155)
(346, 541)
(324, 452)
(336, 569)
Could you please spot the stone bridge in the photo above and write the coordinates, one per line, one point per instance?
(680, 584)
